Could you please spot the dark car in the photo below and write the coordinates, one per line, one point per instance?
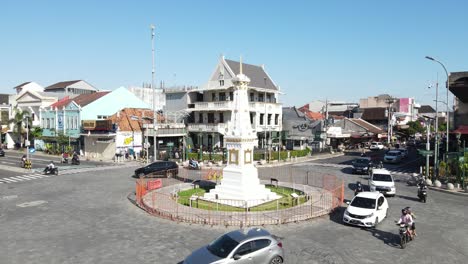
(362, 165)
(204, 184)
(2, 153)
(158, 169)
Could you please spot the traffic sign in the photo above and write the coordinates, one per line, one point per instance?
(425, 152)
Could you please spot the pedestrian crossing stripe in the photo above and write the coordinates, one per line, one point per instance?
(37, 175)
(22, 178)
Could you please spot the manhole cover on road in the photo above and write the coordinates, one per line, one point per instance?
(31, 204)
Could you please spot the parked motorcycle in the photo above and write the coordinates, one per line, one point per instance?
(422, 192)
(194, 165)
(359, 188)
(48, 171)
(405, 235)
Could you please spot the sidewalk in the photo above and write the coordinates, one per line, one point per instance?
(444, 189)
(301, 160)
(282, 163)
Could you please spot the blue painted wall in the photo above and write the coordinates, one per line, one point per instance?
(63, 120)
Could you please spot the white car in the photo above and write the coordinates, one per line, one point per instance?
(381, 180)
(367, 209)
(393, 156)
(404, 152)
(376, 146)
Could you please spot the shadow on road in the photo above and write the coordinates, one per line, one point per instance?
(414, 199)
(388, 238)
(337, 215)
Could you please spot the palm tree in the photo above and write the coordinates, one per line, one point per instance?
(18, 120)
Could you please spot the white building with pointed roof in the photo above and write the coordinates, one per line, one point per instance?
(212, 105)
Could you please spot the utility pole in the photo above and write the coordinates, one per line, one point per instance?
(436, 148)
(428, 145)
(27, 138)
(153, 87)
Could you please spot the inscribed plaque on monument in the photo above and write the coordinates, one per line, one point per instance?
(248, 156)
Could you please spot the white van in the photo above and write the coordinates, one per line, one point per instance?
(381, 180)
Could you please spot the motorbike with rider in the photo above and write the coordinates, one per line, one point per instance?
(193, 164)
(422, 190)
(51, 168)
(359, 188)
(75, 159)
(407, 229)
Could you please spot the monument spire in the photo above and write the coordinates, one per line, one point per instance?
(240, 62)
(240, 177)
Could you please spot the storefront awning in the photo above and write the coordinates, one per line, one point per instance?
(461, 130)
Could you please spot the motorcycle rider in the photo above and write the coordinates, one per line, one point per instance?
(50, 167)
(358, 189)
(413, 225)
(407, 219)
(64, 157)
(75, 157)
(23, 160)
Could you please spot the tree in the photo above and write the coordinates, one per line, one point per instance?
(415, 127)
(18, 121)
(443, 127)
(36, 132)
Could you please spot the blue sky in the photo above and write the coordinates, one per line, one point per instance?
(340, 50)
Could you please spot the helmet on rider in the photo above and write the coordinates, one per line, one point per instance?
(407, 209)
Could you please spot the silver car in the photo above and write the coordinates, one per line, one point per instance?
(254, 245)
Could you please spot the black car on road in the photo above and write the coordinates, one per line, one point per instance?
(158, 169)
(362, 165)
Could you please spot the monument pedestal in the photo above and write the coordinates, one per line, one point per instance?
(241, 187)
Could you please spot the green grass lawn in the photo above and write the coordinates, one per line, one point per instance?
(285, 202)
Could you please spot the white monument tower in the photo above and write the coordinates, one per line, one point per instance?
(240, 177)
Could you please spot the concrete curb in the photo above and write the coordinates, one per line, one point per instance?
(447, 191)
(301, 160)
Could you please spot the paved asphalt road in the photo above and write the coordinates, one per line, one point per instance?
(86, 218)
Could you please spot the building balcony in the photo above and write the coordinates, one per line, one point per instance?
(262, 106)
(229, 105)
(222, 127)
(213, 106)
(210, 127)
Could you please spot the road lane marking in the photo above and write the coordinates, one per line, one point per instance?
(9, 197)
(16, 178)
(31, 204)
(8, 180)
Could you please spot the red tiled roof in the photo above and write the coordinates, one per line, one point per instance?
(85, 99)
(314, 115)
(62, 102)
(309, 114)
(61, 84)
(132, 119)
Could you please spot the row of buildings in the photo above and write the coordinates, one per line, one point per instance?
(103, 123)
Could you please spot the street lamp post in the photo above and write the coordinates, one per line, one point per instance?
(27, 138)
(448, 88)
(153, 87)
